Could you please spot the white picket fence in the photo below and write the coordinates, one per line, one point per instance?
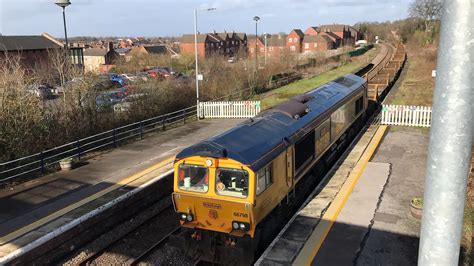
(402, 115)
(235, 109)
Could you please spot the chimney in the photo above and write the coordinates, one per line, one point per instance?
(111, 46)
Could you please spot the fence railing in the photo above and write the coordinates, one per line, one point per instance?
(229, 109)
(401, 115)
(38, 163)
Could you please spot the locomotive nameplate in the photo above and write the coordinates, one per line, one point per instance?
(211, 205)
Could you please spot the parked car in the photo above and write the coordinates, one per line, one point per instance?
(116, 79)
(159, 72)
(41, 91)
(109, 98)
(126, 102)
(231, 60)
(129, 78)
(143, 76)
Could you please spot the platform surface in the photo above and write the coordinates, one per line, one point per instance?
(352, 224)
(30, 210)
(374, 225)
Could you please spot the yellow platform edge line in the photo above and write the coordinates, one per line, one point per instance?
(15, 234)
(329, 218)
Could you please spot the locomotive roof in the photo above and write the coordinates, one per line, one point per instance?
(257, 141)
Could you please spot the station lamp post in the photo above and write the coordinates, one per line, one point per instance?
(265, 36)
(196, 57)
(256, 18)
(64, 4)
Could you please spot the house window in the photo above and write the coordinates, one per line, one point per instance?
(306, 45)
(252, 50)
(293, 48)
(271, 48)
(295, 39)
(290, 40)
(315, 45)
(264, 178)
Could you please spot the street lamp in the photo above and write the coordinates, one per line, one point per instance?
(256, 18)
(265, 35)
(196, 57)
(64, 4)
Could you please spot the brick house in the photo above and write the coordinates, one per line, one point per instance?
(355, 34)
(208, 44)
(294, 41)
(276, 45)
(313, 31)
(342, 31)
(232, 42)
(317, 43)
(251, 47)
(334, 38)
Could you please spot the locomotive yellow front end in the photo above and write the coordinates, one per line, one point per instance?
(213, 199)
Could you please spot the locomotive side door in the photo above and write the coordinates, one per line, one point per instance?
(289, 166)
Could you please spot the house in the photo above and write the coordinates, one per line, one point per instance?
(215, 43)
(335, 38)
(342, 31)
(124, 53)
(313, 31)
(317, 43)
(93, 59)
(208, 44)
(98, 59)
(260, 46)
(276, 44)
(295, 40)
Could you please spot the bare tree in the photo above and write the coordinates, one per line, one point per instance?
(427, 10)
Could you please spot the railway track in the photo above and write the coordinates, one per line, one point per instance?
(134, 232)
(159, 243)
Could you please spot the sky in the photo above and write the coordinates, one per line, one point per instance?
(174, 18)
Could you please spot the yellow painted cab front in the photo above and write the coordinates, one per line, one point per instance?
(214, 194)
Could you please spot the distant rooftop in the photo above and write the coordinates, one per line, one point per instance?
(24, 43)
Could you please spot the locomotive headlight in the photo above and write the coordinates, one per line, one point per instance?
(208, 163)
(183, 216)
(240, 226)
(189, 218)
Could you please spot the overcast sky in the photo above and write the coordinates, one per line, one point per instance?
(173, 18)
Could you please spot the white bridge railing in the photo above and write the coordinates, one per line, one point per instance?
(234, 109)
(402, 115)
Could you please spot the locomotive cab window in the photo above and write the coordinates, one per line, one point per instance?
(232, 182)
(264, 179)
(193, 178)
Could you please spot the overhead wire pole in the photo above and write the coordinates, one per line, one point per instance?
(450, 139)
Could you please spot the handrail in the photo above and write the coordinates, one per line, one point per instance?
(39, 162)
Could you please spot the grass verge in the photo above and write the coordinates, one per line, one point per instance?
(284, 93)
(418, 85)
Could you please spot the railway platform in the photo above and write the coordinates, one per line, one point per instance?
(35, 212)
(361, 215)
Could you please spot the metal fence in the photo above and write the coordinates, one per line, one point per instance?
(38, 163)
(229, 109)
(401, 115)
